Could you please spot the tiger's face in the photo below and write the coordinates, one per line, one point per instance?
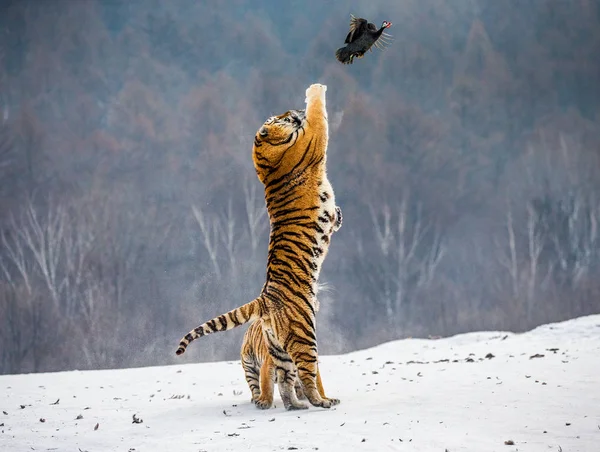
(277, 135)
(277, 129)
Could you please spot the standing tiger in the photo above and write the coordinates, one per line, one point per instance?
(260, 370)
(289, 155)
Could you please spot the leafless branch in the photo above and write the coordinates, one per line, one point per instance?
(255, 213)
(229, 238)
(210, 237)
(411, 250)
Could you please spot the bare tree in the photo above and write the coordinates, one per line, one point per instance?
(229, 236)
(509, 258)
(25, 311)
(255, 213)
(20, 320)
(210, 236)
(409, 251)
(534, 248)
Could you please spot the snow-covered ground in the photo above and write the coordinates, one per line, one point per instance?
(473, 392)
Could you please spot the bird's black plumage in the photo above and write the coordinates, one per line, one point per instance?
(361, 37)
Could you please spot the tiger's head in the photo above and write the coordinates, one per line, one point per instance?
(276, 136)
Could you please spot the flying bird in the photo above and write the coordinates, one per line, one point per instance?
(362, 37)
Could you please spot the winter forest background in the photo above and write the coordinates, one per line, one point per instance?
(465, 157)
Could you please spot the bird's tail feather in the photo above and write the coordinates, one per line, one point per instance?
(343, 55)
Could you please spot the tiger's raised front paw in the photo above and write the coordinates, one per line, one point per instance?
(315, 90)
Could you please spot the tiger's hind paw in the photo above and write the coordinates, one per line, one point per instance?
(328, 403)
(298, 406)
(263, 404)
(299, 391)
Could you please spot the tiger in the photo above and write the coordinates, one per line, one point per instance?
(260, 370)
(289, 155)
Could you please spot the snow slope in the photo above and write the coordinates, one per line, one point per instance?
(540, 389)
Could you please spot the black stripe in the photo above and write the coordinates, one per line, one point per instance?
(233, 317)
(300, 296)
(276, 184)
(290, 220)
(298, 262)
(308, 330)
(284, 276)
(281, 212)
(282, 142)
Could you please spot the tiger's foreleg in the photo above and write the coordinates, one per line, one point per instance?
(316, 113)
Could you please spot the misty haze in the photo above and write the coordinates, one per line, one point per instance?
(465, 157)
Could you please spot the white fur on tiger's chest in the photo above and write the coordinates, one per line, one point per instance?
(326, 219)
(328, 205)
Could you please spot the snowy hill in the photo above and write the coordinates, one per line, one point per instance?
(472, 392)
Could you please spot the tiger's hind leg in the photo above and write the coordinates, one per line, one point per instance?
(251, 372)
(285, 371)
(322, 391)
(299, 390)
(286, 378)
(264, 398)
(305, 358)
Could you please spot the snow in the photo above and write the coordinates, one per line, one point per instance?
(396, 396)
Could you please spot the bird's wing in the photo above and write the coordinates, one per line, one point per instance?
(357, 27)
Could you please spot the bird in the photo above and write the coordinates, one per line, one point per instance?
(362, 37)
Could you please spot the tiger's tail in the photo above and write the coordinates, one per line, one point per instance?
(236, 317)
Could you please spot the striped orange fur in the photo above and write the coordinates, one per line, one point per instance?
(290, 154)
(260, 369)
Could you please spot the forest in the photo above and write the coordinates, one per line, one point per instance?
(465, 157)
